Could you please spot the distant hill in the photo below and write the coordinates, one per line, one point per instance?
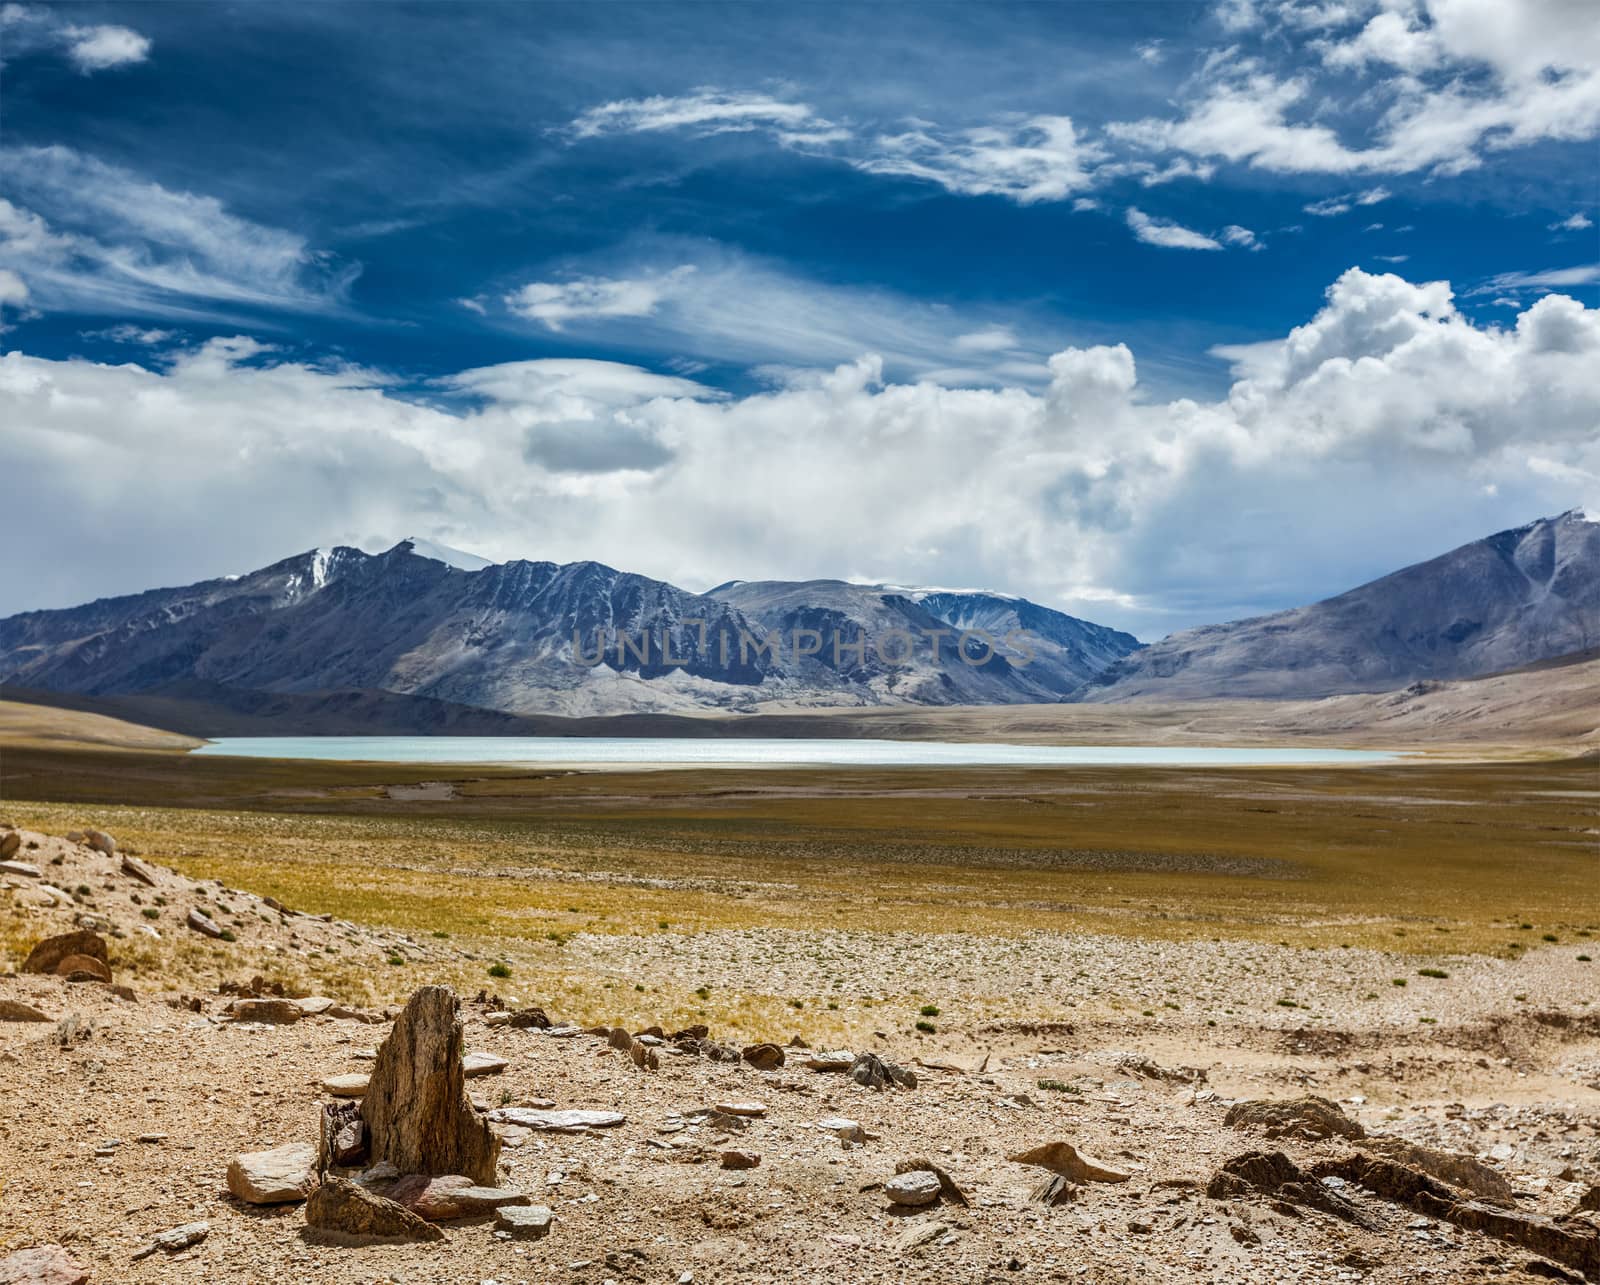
(1516, 598)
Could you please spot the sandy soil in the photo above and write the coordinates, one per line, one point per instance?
(1507, 1072)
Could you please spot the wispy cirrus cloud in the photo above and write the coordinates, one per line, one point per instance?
(1167, 234)
(584, 298)
(94, 237)
(1035, 158)
(27, 29)
(709, 111)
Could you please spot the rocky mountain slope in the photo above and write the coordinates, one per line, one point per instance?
(1516, 598)
(424, 623)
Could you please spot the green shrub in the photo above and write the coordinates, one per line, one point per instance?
(498, 970)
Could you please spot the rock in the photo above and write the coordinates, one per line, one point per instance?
(1065, 1159)
(572, 1121)
(351, 1085)
(527, 1019)
(451, 1196)
(524, 1222)
(878, 1073)
(619, 1039)
(1054, 1190)
(846, 1130)
(948, 1187)
(79, 968)
(100, 841)
(764, 1057)
(1310, 1117)
(343, 1135)
(312, 1005)
(644, 1057)
(498, 1018)
(10, 844)
(345, 1014)
(14, 1010)
(839, 1060)
(915, 1187)
(1271, 1173)
(1461, 1171)
(475, 1064)
(274, 1177)
(202, 924)
(740, 1160)
(24, 868)
(1244, 1235)
(136, 869)
(270, 1012)
(753, 1110)
(46, 957)
(176, 1238)
(1590, 1200)
(346, 1209)
(42, 1265)
(417, 1111)
(919, 1235)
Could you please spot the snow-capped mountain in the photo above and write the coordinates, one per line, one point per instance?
(1513, 599)
(423, 620)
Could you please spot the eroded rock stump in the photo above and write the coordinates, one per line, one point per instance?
(416, 1109)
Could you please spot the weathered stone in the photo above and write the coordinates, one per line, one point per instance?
(915, 1187)
(202, 924)
(46, 957)
(754, 1110)
(740, 1159)
(1590, 1200)
(878, 1073)
(524, 1222)
(417, 1111)
(274, 1177)
(1065, 1159)
(350, 1085)
(1465, 1172)
(1054, 1190)
(176, 1238)
(345, 1014)
(619, 1039)
(42, 1265)
(101, 842)
(450, 1196)
(1310, 1117)
(346, 1209)
(948, 1187)
(527, 1019)
(136, 869)
(313, 1005)
(764, 1057)
(10, 844)
(475, 1064)
(846, 1130)
(343, 1137)
(14, 1010)
(271, 1012)
(78, 968)
(1271, 1173)
(572, 1121)
(839, 1060)
(644, 1057)
(26, 869)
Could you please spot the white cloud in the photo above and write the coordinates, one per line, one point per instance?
(1039, 158)
(1585, 274)
(13, 289)
(1373, 195)
(26, 29)
(1152, 52)
(555, 303)
(710, 111)
(993, 339)
(1573, 223)
(145, 336)
(1363, 439)
(93, 237)
(1328, 207)
(1233, 234)
(1169, 235)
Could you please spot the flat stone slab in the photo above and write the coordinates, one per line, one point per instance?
(14, 1010)
(43, 1265)
(482, 1064)
(312, 1005)
(572, 1121)
(277, 1176)
(451, 1196)
(524, 1222)
(754, 1110)
(24, 868)
(839, 1060)
(351, 1085)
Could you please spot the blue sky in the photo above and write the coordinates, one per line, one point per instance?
(541, 272)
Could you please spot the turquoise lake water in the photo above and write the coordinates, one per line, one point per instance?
(626, 751)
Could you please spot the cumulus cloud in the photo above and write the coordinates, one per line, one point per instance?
(96, 238)
(1371, 435)
(1167, 234)
(26, 29)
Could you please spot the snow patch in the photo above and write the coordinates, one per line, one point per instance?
(456, 558)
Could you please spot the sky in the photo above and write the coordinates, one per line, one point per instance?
(1157, 313)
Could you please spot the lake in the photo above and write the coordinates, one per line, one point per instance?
(633, 751)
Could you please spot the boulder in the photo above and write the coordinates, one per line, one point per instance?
(948, 1187)
(10, 844)
(313, 1005)
(1311, 1117)
(1465, 1172)
(136, 869)
(100, 841)
(1271, 1173)
(416, 1109)
(878, 1073)
(839, 1060)
(524, 1222)
(914, 1187)
(269, 1012)
(202, 924)
(14, 1010)
(349, 1211)
(80, 968)
(529, 1019)
(42, 1265)
(46, 957)
(1065, 1159)
(277, 1176)
(450, 1196)
(764, 1057)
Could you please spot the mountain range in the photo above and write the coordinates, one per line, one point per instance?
(425, 638)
